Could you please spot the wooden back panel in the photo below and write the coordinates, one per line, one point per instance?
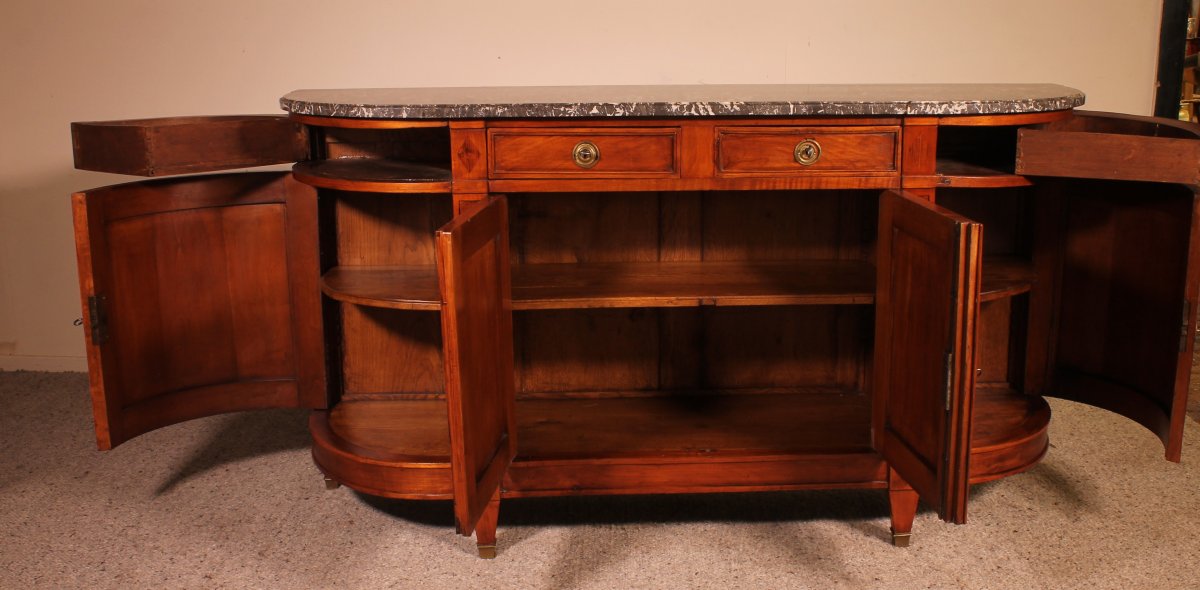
(383, 230)
(618, 351)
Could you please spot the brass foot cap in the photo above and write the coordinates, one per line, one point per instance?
(901, 539)
(332, 484)
(487, 551)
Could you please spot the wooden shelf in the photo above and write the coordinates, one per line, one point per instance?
(374, 175)
(707, 425)
(692, 284)
(1009, 431)
(955, 173)
(394, 287)
(625, 284)
(1005, 277)
(655, 284)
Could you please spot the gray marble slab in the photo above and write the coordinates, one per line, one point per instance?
(682, 101)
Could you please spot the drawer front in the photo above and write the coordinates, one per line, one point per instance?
(583, 152)
(743, 151)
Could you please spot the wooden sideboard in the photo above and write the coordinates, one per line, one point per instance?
(495, 293)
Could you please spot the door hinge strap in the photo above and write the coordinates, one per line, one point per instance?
(98, 318)
(949, 369)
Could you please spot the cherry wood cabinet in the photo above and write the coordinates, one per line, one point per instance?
(482, 301)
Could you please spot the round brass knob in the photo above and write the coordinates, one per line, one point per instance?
(586, 154)
(807, 152)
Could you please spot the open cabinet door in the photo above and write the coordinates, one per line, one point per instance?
(200, 296)
(1125, 251)
(1126, 308)
(477, 337)
(926, 303)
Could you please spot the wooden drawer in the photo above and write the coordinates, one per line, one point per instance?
(1112, 146)
(571, 152)
(186, 145)
(745, 151)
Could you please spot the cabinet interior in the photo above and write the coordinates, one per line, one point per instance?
(976, 151)
(671, 363)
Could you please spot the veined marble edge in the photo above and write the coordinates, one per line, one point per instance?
(683, 108)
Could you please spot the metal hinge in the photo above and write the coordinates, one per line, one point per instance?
(98, 318)
(949, 369)
(1183, 327)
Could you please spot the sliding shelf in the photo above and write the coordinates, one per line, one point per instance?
(955, 173)
(373, 175)
(401, 448)
(655, 284)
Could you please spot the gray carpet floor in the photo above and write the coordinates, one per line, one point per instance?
(234, 502)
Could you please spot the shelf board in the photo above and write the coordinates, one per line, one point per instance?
(692, 284)
(1008, 432)
(393, 287)
(625, 284)
(655, 284)
(373, 175)
(708, 425)
(1005, 276)
(955, 173)
(711, 426)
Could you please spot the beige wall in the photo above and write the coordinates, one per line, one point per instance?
(65, 60)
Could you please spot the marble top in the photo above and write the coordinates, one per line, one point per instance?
(682, 101)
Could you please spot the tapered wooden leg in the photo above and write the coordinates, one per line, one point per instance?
(485, 531)
(903, 501)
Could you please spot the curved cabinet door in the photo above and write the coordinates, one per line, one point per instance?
(1123, 246)
(928, 272)
(477, 341)
(200, 297)
(1127, 301)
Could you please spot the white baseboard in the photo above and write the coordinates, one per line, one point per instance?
(56, 364)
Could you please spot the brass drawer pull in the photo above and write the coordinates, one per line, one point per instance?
(586, 154)
(807, 152)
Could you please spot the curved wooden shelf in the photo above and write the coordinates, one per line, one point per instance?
(1008, 433)
(392, 287)
(373, 175)
(400, 448)
(349, 123)
(954, 173)
(1005, 277)
(385, 448)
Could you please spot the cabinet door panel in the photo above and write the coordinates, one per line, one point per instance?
(477, 339)
(1127, 301)
(1112, 146)
(200, 297)
(926, 304)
